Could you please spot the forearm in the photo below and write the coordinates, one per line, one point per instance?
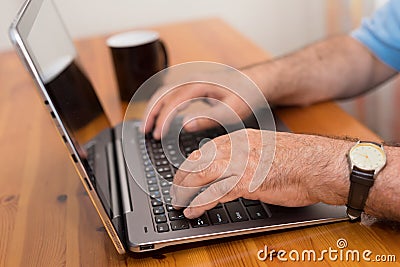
(321, 163)
(338, 67)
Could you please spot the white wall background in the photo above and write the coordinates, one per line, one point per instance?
(276, 25)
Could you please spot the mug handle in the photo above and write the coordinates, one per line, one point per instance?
(163, 48)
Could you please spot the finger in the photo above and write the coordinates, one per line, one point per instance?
(178, 100)
(219, 192)
(181, 198)
(166, 115)
(148, 123)
(152, 109)
(182, 194)
(161, 97)
(201, 159)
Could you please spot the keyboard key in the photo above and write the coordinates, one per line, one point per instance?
(156, 145)
(165, 183)
(257, 212)
(155, 194)
(153, 187)
(160, 218)
(168, 200)
(155, 203)
(236, 211)
(248, 202)
(179, 225)
(150, 174)
(219, 205)
(177, 160)
(165, 191)
(200, 222)
(163, 169)
(218, 216)
(162, 227)
(152, 181)
(157, 150)
(158, 210)
(187, 143)
(149, 168)
(167, 176)
(161, 162)
(159, 156)
(175, 215)
(189, 149)
(185, 137)
(172, 152)
(176, 165)
(169, 207)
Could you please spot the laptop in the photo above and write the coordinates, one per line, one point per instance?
(135, 220)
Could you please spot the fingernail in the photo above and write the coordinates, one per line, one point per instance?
(188, 213)
(191, 126)
(156, 134)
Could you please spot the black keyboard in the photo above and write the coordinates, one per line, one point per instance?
(161, 160)
(90, 157)
(91, 153)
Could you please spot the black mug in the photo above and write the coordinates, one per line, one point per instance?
(137, 55)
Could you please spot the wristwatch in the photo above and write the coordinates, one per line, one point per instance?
(366, 159)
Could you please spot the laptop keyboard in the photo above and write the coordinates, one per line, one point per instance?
(161, 165)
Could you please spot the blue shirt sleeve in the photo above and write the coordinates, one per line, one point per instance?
(381, 34)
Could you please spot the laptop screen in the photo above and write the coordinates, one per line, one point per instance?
(52, 60)
(55, 59)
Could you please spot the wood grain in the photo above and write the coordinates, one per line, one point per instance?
(46, 218)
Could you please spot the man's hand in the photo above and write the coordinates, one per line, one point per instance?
(164, 105)
(305, 170)
(230, 94)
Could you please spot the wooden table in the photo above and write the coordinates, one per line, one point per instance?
(46, 218)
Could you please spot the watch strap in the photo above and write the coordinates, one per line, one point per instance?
(370, 142)
(360, 184)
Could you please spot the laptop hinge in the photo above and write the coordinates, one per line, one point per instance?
(123, 179)
(112, 174)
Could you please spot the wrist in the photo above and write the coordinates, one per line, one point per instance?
(384, 196)
(317, 164)
(329, 174)
(264, 76)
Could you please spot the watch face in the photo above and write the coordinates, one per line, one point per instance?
(367, 156)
